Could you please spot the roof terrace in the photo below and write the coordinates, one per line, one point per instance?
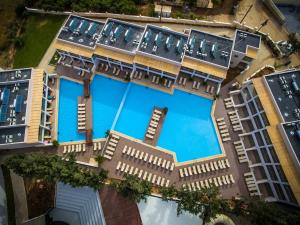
(164, 43)
(285, 89)
(121, 35)
(81, 31)
(210, 48)
(13, 103)
(243, 39)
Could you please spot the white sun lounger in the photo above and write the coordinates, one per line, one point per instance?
(65, 149)
(140, 174)
(227, 163)
(118, 165)
(186, 172)
(221, 123)
(163, 165)
(137, 154)
(114, 141)
(181, 174)
(112, 144)
(153, 178)
(162, 182)
(150, 158)
(141, 155)
(159, 161)
(199, 169)
(157, 111)
(146, 157)
(155, 160)
(132, 152)
(190, 171)
(136, 171)
(203, 168)
(109, 152)
(123, 167)
(149, 177)
(168, 165)
(110, 148)
(127, 168)
(131, 170)
(107, 156)
(172, 166)
(158, 180)
(129, 151)
(231, 178)
(145, 175)
(73, 148)
(124, 149)
(226, 139)
(167, 183)
(149, 136)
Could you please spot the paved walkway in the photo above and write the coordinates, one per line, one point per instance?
(20, 198)
(3, 209)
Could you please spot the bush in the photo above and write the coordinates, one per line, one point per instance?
(204, 83)
(165, 110)
(19, 42)
(55, 143)
(127, 78)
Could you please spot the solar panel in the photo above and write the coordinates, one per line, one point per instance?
(118, 31)
(74, 24)
(202, 46)
(158, 39)
(214, 50)
(128, 34)
(19, 101)
(192, 42)
(92, 29)
(147, 36)
(179, 45)
(169, 41)
(5, 96)
(83, 26)
(107, 29)
(3, 113)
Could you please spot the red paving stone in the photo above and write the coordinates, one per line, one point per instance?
(117, 209)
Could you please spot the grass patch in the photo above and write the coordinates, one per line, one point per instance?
(11, 216)
(54, 59)
(39, 32)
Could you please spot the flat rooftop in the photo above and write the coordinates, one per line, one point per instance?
(285, 94)
(164, 43)
(121, 35)
(81, 31)
(243, 39)
(210, 48)
(293, 137)
(14, 86)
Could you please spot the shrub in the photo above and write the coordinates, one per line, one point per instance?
(204, 83)
(55, 143)
(127, 78)
(107, 132)
(165, 110)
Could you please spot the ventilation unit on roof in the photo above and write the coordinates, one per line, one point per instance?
(128, 34)
(179, 46)
(169, 41)
(118, 31)
(107, 29)
(191, 43)
(295, 87)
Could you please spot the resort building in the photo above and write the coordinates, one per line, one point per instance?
(268, 108)
(25, 108)
(159, 53)
(246, 46)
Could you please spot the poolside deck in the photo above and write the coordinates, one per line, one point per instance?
(158, 128)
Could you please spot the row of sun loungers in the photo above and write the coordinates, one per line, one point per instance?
(116, 71)
(204, 168)
(228, 103)
(148, 158)
(151, 131)
(196, 84)
(74, 148)
(216, 181)
(145, 175)
(111, 146)
(81, 116)
(223, 129)
(235, 120)
(210, 89)
(251, 184)
(138, 75)
(182, 81)
(240, 151)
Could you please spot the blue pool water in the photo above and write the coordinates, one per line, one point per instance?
(188, 129)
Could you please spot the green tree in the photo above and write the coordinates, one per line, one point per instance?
(53, 168)
(133, 188)
(168, 193)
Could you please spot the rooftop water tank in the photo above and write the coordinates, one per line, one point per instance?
(296, 87)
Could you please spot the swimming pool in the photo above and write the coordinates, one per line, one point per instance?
(188, 128)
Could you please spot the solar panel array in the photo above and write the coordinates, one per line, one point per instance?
(81, 31)
(164, 43)
(210, 48)
(121, 35)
